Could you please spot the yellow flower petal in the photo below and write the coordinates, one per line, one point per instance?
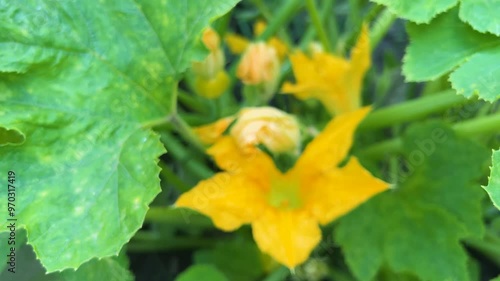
(335, 81)
(279, 46)
(210, 133)
(237, 44)
(287, 236)
(360, 63)
(255, 164)
(259, 27)
(341, 190)
(229, 200)
(331, 146)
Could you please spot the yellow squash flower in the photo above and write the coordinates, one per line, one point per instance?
(285, 209)
(238, 44)
(333, 80)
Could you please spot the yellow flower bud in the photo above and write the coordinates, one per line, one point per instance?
(211, 39)
(275, 129)
(214, 62)
(212, 88)
(259, 64)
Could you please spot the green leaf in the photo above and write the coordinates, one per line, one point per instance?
(28, 268)
(238, 259)
(417, 227)
(481, 15)
(419, 11)
(479, 76)
(201, 272)
(493, 187)
(10, 137)
(77, 79)
(471, 55)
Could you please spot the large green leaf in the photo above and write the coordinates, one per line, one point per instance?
(28, 268)
(416, 228)
(447, 44)
(493, 187)
(419, 11)
(77, 79)
(482, 15)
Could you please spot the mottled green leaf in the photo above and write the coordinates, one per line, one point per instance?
(77, 79)
(28, 268)
(201, 272)
(493, 187)
(419, 11)
(417, 227)
(482, 15)
(447, 44)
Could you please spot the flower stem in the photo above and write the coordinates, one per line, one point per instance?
(283, 15)
(482, 125)
(411, 110)
(381, 27)
(313, 13)
(184, 157)
(167, 174)
(144, 242)
(186, 132)
(177, 216)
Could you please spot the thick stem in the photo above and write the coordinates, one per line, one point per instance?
(411, 110)
(184, 157)
(177, 216)
(483, 125)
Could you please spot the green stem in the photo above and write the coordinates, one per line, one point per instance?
(411, 110)
(311, 30)
(282, 17)
(172, 243)
(177, 216)
(318, 25)
(167, 174)
(187, 133)
(483, 125)
(193, 103)
(381, 27)
(184, 157)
